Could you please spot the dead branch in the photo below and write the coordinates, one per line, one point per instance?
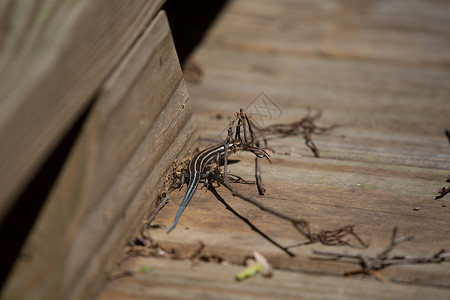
(394, 242)
(369, 264)
(259, 183)
(334, 238)
(306, 127)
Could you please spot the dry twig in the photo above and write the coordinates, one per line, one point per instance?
(259, 183)
(371, 264)
(305, 127)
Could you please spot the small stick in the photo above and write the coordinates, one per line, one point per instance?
(305, 127)
(144, 231)
(333, 237)
(394, 242)
(309, 142)
(380, 261)
(377, 263)
(157, 209)
(239, 179)
(250, 129)
(225, 158)
(259, 183)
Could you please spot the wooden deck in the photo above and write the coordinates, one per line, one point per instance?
(380, 70)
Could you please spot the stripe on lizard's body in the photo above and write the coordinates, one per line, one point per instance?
(196, 168)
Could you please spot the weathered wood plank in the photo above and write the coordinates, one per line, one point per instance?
(352, 31)
(329, 194)
(54, 55)
(182, 280)
(364, 65)
(140, 123)
(420, 143)
(393, 108)
(377, 68)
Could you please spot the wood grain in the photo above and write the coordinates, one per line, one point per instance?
(182, 280)
(140, 123)
(54, 56)
(370, 68)
(363, 63)
(328, 195)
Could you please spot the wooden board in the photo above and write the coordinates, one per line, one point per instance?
(112, 177)
(380, 71)
(329, 194)
(183, 280)
(54, 56)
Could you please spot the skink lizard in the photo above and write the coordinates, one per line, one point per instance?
(196, 168)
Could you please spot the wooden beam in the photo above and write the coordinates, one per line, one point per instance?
(140, 123)
(54, 55)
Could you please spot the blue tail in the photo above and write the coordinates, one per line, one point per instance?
(187, 197)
